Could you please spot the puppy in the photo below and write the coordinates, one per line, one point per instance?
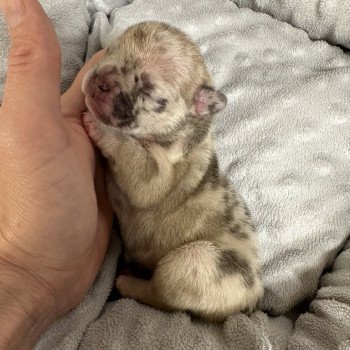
(151, 103)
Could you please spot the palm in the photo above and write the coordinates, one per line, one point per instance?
(58, 197)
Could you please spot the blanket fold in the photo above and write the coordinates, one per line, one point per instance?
(321, 19)
(327, 325)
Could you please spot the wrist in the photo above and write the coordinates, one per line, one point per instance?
(26, 309)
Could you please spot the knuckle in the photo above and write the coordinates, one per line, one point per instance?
(27, 51)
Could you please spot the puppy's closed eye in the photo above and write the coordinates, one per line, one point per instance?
(145, 93)
(161, 102)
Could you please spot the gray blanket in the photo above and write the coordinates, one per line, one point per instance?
(72, 31)
(283, 140)
(322, 19)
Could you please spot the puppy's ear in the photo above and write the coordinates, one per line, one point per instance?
(208, 101)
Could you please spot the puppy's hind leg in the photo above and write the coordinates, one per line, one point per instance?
(166, 290)
(192, 278)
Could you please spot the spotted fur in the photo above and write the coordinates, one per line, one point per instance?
(178, 214)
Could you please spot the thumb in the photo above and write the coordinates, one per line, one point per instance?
(34, 62)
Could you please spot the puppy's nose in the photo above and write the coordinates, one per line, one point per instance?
(103, 87)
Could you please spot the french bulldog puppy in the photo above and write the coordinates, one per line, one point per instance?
(151, 104)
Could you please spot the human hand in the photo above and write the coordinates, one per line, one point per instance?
(55, 218)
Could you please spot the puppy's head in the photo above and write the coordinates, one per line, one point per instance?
(152, 83)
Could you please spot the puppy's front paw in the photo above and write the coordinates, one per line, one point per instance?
(91, 127)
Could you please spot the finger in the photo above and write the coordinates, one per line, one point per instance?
(73, 100)
(34, 61)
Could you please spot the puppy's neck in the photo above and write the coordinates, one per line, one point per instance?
(179, 151)
(189, 140)
(187, 137)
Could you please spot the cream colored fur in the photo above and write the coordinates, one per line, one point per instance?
(178, 215)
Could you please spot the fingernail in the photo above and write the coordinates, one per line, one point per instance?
(13, 11)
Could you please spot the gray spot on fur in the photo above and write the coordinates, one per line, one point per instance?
(210, 176)
(123, 109)
(212, 173)
(238, 232)
(162, 102)
(125, 70)
(231, 263)
(212, 108)
(147, 85)
(199, 130)
(228, 208)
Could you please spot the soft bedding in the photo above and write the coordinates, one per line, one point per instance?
(321, 19)
(72, 22)
(283, 140)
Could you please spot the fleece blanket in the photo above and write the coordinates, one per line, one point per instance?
(283, 141)
(71, 30)
(322, 19)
